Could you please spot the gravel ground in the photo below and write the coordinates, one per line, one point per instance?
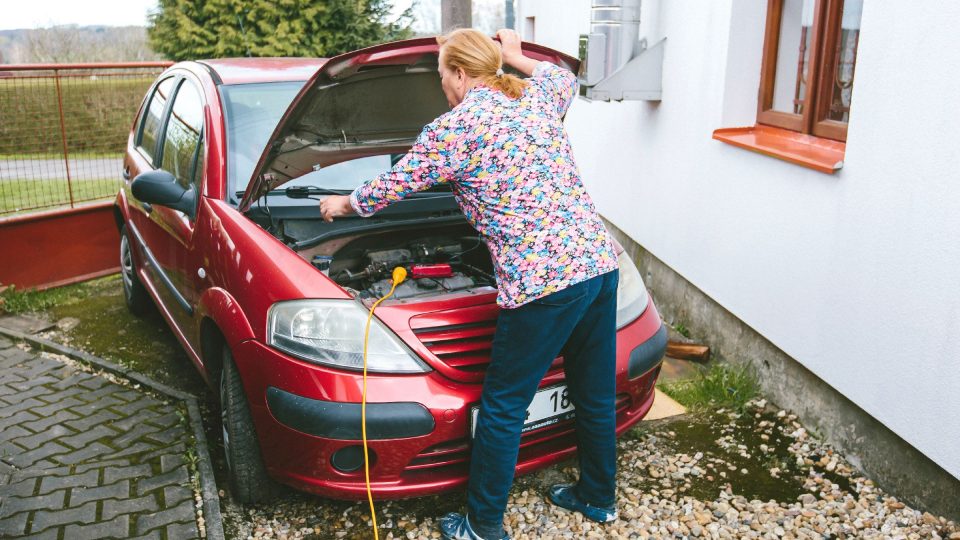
(714, 474)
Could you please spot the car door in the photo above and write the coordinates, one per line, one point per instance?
(143, 154)
(182, 155)
(167, 234)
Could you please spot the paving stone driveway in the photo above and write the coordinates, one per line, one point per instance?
(84, 457)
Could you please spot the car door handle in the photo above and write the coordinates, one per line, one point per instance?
(147, 207)
(126, 173)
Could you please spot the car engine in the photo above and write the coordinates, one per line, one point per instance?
(434, 265)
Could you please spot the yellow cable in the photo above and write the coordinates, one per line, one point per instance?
(399, 274)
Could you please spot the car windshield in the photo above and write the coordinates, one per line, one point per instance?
(252, 112)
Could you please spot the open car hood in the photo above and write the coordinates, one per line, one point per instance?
(362, 103)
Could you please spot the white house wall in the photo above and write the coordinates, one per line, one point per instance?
(857, 274)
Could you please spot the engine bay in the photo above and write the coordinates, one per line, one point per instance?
(455, 259)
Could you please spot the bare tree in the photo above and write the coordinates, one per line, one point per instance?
(54, 44)
(59, 44)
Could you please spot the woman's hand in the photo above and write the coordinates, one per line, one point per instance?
(335, 206)
(510, 44)
(513, 54)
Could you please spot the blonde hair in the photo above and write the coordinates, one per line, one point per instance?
(479, 57)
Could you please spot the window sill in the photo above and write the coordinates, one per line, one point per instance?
(819, 154)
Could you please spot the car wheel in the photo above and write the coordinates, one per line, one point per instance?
(134, 293)
(249, 481)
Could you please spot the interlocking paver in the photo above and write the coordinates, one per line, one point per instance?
(112, 474)
(89, 451)
(174, 494)
(182, 530)
(152, 535)
(113, 508)
(124, 424)
(14, 432)
(43, 423)
(52, 408)
(18, 487)
(15, 505)
(176, 477)
(17, 419)
(183, 512)
(120, 490)
(6, 473)
(92, 383)
(170, 462)
(28, 458)
(166, 436)
(19, 406)
(32, 440)
(118, 527)
(44, 519)
(83, 439)
(88, 458)
(26, 391)
(135, 433)
(105, 416)
(14, 526)
(52, 483)
(49, 534)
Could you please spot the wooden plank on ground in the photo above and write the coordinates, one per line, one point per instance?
(688, 351)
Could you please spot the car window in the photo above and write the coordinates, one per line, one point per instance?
(346, 175)
(182, 139)
(198, 165)
(252, 112)
(151, 122)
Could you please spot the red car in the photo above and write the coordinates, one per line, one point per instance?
(220, 228)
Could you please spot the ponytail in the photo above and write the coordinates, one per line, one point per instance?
(511, 85)
(479, 57)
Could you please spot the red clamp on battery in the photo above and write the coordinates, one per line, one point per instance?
(434, 271)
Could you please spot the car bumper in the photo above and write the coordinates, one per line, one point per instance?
(307, 419)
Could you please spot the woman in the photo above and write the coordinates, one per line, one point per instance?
(504, 151)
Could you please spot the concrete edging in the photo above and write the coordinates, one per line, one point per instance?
(213, 520)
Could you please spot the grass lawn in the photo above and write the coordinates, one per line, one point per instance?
(717, 385)
(22, 195)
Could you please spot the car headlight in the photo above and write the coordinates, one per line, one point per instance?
(632, 297)
(330, 332)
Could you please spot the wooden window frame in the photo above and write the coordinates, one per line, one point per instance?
(820, 71)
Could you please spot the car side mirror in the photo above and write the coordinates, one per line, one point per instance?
(160, 187)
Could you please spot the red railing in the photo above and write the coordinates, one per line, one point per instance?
(63, 129)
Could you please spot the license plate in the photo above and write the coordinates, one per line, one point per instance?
(549, 406)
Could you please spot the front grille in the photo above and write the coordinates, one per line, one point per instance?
(463, 343)
(455, 454)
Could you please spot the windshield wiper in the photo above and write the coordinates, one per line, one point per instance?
(304, 192)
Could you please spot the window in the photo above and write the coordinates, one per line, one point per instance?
(530, 28)
(182, 142)
(150, 131)
(251, 113)
(809, 56)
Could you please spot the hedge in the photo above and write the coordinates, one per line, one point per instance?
(97, 113)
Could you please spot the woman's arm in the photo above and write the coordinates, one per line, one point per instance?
(560, 85)
(512, 54)
(422, 167)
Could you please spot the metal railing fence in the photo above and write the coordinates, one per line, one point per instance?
(63, 130)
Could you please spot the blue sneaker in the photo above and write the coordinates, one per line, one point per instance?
(454, 526)
(565, 496)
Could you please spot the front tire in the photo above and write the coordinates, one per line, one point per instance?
(249, 481)
(135, 295)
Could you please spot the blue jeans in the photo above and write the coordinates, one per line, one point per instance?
(580, 321)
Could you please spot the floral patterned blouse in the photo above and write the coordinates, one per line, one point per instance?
(511, 169)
